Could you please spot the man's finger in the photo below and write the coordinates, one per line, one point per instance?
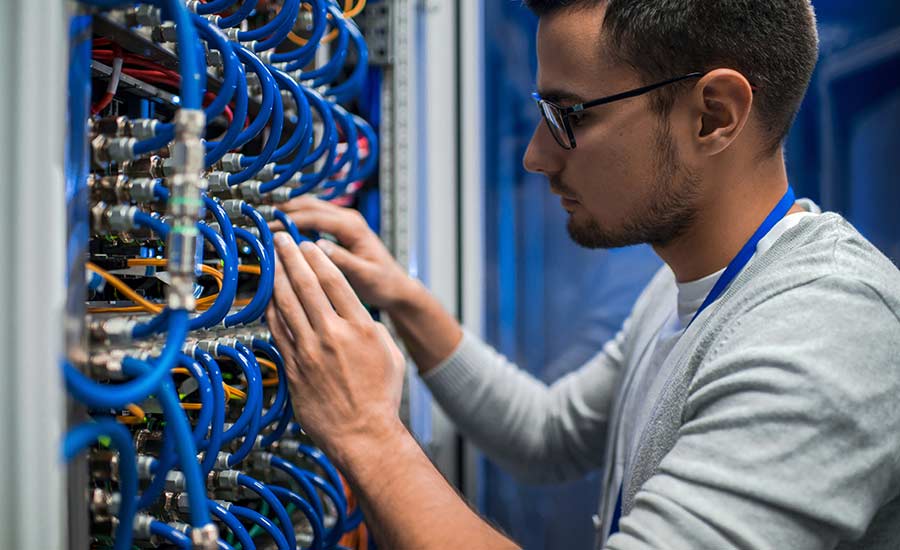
(304, 282)
(279, 329)
(314, 214)
(290, 307)
(334, 284)
(351, 265)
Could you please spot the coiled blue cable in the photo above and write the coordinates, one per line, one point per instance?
(215, 6)
(287, 527)
(275, 411)
(255, 423)
(327, 145)
(271, 141)
(246, 8)
(305, 485)
(267, 82)
(205, 393)
(230, 62)
(213, 445)
(307, 510)
(215, 150)
(86, 434)
(283, 23)
(232, 523)
(264, 522)
(257, 306)
(334, 534)
(303, 55)
(329, 71)
(352, 86)
(248, 422)
(303, 128)
(222, 304)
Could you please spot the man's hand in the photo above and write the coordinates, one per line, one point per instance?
(344, 371)
(373, 272)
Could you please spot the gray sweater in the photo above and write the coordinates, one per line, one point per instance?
(777, 425)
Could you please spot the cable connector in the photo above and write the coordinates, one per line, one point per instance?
(143, 128)
(250, 190)
(185, 206)
(280, 194)
(141, 526)
(175, 482)
(217, 182)
(231, 162)
(205, 538)
(164, 32)
(233, 209)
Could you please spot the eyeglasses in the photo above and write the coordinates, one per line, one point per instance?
(557, 117)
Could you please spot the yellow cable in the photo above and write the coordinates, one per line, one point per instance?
(126, 290)
(268, 382)
(267, 363)
(137, 415)
(191, 406)
(146, 305)
(355, 10)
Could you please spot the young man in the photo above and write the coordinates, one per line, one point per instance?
(750, 400)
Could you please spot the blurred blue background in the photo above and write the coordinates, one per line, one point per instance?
(551, 305)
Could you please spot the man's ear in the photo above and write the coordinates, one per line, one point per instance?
(721, 103)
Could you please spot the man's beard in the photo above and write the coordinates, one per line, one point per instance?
(671, 211)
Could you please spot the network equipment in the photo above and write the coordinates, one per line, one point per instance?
(188, 125)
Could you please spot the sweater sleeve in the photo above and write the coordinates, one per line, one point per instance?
(789, 437)
(539, 433)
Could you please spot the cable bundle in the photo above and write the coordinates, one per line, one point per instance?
(186, 385)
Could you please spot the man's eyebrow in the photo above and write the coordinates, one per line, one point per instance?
(559, 95)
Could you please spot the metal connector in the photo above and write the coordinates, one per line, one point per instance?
(218, 182)
(205, 538)
(164, 32)
(143, 128)
(250, 190)
(233, 208)
(267, 173)
(185, 206)
(231, 162)
(141, 189)
(266, 211)
(120, 218)
(141, 525)
(280, 195)
(175, 481)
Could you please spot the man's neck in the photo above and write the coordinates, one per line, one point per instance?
(724, 226)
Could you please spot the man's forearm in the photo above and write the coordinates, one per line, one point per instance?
(429, 332)
(407, 503)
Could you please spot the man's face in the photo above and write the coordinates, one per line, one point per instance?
(624, 183)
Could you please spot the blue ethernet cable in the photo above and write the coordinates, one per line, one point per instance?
(275, 411)
(257, 306)
(222, 304)
(233, 523)
(245, 9)
(289, 225)
(327, 144)
(184, 440)
(215, 6)
(351, 154)
(277, 124)
(213, 445)
(86, 434)
(264, 522)
(215, 150)
(117, 396)
(278, 28)
(354, 517)
(267, 82)
(352, 86)
(303, 55)
(334, 534)
(305, 485)
(169, 533)
(371, 161)
(263, 491)
(329, 71)
(205, 392)
(287, 415)
(255, 423)
(307, 510)
(229, 60)
(303, 128)
(248, 423)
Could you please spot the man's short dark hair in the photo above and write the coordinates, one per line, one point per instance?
(773, 43)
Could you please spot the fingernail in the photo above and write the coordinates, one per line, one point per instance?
(282, 239)
(326, 246)
(307, 246)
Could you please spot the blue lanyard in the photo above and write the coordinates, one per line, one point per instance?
(731, 272)
(743, 257)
